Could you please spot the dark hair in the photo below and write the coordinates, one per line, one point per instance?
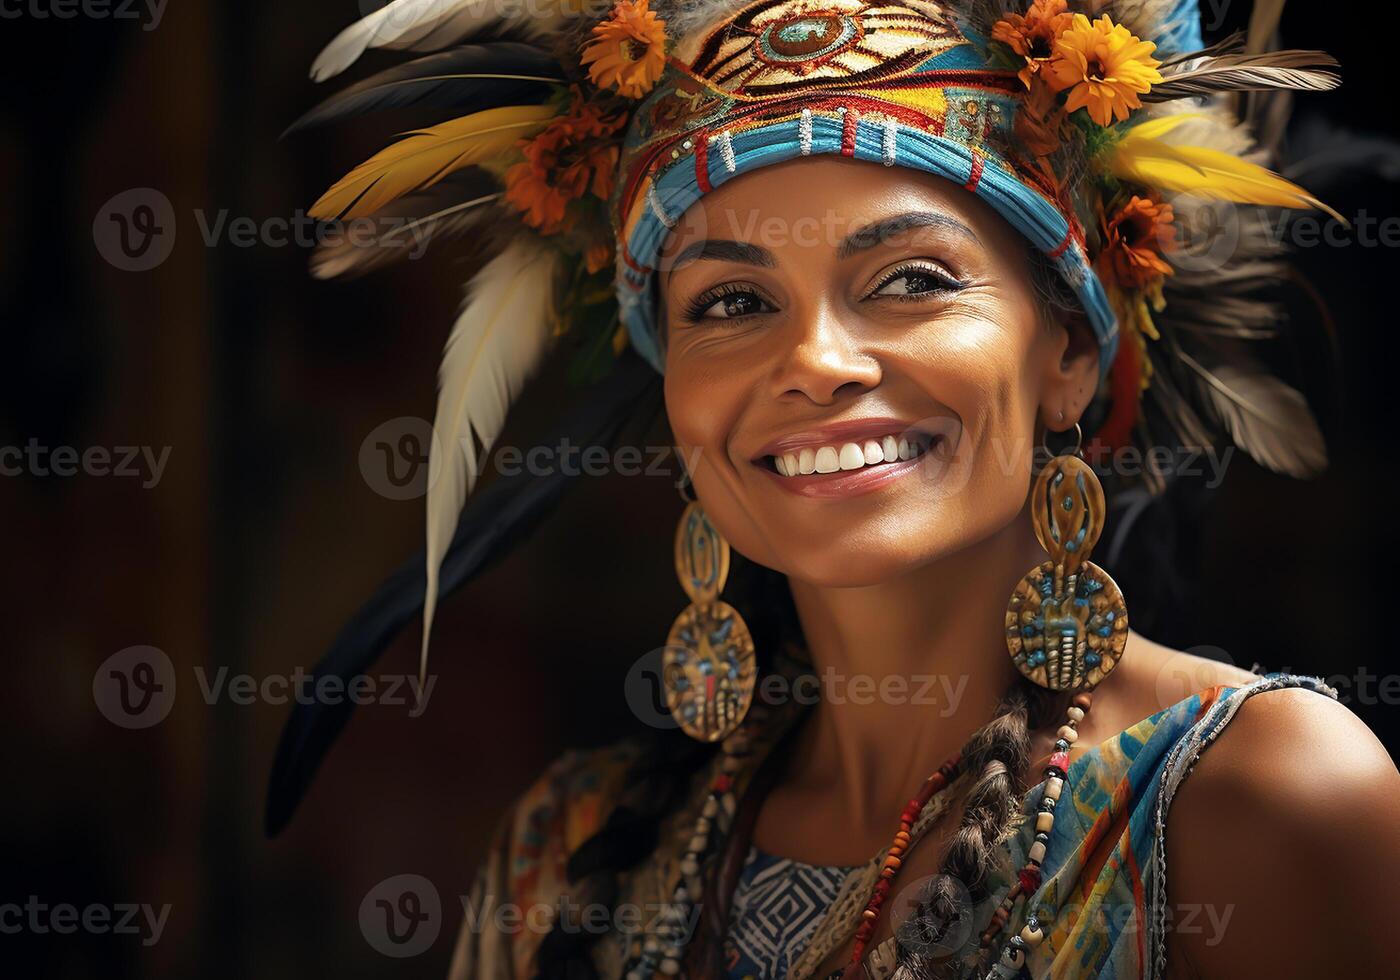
(658, 781)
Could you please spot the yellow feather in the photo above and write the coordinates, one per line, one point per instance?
(424, 157)
(1142, 158)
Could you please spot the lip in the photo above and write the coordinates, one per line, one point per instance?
(852, 430)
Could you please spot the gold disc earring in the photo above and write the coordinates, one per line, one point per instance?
(1066, 623)
(708, 669)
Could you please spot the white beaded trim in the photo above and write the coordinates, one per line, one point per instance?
(804, 132)
(656, 208)
(726, 150)
(891, 134)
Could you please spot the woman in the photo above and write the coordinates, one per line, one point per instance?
(883, 254)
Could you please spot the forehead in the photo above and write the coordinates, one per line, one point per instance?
(820, 201)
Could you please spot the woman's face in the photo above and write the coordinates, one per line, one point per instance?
(856, 366)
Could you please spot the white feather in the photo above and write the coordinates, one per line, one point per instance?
(430, 25)
(498, 341)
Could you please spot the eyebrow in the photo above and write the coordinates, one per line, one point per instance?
(881, 231)
(722, 250)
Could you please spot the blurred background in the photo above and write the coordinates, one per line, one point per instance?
(253, 513)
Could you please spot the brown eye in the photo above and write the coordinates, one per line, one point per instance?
(740, 304)
(915, 281)
(727, 303)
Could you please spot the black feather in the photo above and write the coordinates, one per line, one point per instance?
(464, 79)
(495, 520)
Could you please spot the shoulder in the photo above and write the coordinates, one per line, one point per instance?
(1281, 842)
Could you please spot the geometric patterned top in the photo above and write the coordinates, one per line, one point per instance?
(777, 905)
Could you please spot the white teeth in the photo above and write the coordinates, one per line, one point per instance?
(848, 456)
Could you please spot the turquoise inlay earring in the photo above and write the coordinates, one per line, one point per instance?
(708, 669)
(1066, 623)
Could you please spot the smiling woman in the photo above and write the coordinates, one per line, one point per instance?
(881, 255)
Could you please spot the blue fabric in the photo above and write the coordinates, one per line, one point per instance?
(1026, 210)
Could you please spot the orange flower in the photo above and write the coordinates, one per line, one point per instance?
(1033, 35)
(628, 50)
(574, 155)
(1134, 241)
(1105, 67)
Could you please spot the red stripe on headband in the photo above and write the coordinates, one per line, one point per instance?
(702, 161)
(848, 133)
(1063, 247)
(976, 176)
(632, 263)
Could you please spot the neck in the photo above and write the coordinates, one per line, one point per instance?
(909, 668)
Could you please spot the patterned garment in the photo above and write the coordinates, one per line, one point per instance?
(777, 905)
(1104, 889)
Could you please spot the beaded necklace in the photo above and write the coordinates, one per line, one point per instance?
(663, 951)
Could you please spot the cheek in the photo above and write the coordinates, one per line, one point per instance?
(701, 409)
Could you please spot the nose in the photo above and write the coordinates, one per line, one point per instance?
(823, 360)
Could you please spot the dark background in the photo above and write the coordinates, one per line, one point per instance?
(265, 532)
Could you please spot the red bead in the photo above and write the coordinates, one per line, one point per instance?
(1060, 761)
(1030, 878)
(723, 782)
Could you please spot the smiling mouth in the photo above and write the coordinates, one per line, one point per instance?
(862, 454)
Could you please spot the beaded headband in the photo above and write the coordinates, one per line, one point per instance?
(1096, 128)
(893, 83)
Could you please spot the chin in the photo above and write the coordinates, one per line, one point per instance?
(874, 551)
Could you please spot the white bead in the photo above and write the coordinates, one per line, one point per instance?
(1053, 785)
(1037, 852)
(1068, 734)
(1076, 714)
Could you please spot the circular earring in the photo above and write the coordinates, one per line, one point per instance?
(1066, 623)
(708, 669)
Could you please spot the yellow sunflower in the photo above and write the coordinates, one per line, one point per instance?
(1105, 67)
(628, 50)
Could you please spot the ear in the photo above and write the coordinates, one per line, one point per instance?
(1072, 375)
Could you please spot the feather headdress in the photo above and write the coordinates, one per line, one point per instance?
(572, 137)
